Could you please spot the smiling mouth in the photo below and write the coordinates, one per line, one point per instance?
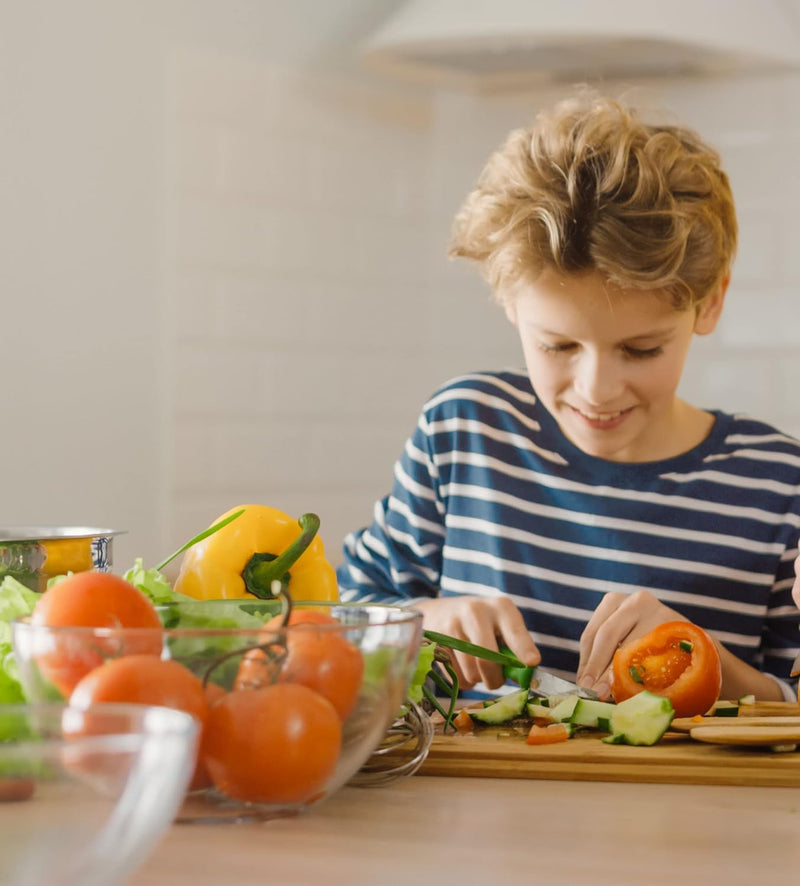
(602, 419)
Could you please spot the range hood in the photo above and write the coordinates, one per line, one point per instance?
(489, 44)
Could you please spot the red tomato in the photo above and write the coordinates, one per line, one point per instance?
(321, 659)
(144, 679)
(278, 744)
(93, 599)
(201, 778)
(676, 660)
(16, 788)
(463, 722)
(548, 734)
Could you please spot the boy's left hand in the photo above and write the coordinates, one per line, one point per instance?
(618, 618)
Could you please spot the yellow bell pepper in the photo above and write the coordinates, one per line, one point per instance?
(64, 555)
(260, 546)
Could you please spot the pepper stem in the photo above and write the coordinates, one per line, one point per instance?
(263, 569)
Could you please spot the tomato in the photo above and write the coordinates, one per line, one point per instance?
(16, 788)
(319, 658)
(277, 744)
(549, 734)
(201, 778)
(676, 660)
(144, 679)
(92, 599)
(463, 722)
(95, 599)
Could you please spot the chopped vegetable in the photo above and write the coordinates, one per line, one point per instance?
(463, 722)
(506, 708)
(549, 734)
(641, 719)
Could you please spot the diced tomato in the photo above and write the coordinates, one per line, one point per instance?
(463, 722)
(549, 734)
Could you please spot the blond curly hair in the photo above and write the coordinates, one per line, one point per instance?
(591, 187)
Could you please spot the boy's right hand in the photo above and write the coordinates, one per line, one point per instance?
(485, 621)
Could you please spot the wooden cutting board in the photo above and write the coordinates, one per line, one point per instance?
(501, 752)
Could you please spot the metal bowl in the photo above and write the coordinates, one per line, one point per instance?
(34, 554)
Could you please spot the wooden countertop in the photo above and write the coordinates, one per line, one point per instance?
(428, 830)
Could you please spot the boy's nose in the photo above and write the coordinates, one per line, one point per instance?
(596, 380)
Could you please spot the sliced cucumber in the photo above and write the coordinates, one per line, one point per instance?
(538, 711)
(563, 711)
(747, 699)
(506, 708)
(589, 713)
(640, 720)
(725, 709)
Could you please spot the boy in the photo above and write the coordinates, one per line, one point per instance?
(569, 508)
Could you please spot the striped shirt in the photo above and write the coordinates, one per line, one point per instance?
(490, 499)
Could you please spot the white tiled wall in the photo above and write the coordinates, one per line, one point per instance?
(312, 306)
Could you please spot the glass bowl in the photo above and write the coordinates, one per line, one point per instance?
(270, 744)
(87, 794)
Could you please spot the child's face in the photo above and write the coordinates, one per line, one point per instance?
(606, 363)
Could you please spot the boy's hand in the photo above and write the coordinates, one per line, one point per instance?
(618, 618)
(488, 622)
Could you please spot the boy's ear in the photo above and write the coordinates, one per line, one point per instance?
(709, 311)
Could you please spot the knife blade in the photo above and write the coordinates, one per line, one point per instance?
(543, 683)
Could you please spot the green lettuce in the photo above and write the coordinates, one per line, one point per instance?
(423, 668)
(199, 652)
(16, 600)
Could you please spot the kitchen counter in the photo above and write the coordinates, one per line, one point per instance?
(430, 831)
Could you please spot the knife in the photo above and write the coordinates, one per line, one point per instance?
(543, 683)
(539, 681)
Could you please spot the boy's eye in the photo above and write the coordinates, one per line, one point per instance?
(641, 353)
(555, 349)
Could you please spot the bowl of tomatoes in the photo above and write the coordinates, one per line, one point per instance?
(85, 795)
(291, 697)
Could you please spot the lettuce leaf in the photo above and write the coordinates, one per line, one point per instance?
(424, 665)
(16, 600)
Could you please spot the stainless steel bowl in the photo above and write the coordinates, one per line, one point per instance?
(34, 554)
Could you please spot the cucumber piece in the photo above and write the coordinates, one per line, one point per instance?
(725, 709)
(563, 711)
(506, 708)
(641, 719)
(538, 711)
(589, 713)
(747, 699)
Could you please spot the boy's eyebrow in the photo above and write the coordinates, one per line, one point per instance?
(650, 333)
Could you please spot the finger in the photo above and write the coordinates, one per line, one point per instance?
(517, 638)
(469, 673)
(605, 609)
(491, 674)
(480, 628)
(604, 685)
(610, 634)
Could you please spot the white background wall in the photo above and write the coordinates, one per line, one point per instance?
(223, 267)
